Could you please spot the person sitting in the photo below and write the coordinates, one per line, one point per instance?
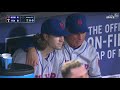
(47, 42)
(74, 69)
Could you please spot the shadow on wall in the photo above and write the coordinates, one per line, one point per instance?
(18, 31)
(15, 39)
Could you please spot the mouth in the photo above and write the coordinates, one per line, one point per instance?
(60, 44)
(79, 40)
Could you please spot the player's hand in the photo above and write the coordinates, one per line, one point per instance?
(32, 57)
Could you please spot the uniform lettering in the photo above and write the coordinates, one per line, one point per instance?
(86, 66)
(38, 76)
(66, 60)
(53, 75)
(47, 75)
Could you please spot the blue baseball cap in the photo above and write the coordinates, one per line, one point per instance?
(76, 23)
(53, 27)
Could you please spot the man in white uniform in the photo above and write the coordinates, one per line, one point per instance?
(75, 46)
(51, 38)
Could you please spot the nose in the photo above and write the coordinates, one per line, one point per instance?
(79, 35)
(62, 38)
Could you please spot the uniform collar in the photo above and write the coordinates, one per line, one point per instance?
(79, 50)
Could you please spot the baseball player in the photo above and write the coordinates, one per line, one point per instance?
(76, 47)
(51, 38)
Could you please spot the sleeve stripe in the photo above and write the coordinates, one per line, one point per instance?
(96, 76)
(94, 58)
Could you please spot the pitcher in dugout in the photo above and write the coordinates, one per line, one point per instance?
(51, 38)
(75, 46)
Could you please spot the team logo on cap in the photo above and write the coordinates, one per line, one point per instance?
(61, 25)
(79, 22)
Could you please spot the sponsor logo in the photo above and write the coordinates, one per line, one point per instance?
(113, 16)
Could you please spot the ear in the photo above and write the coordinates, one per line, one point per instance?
(45, 36)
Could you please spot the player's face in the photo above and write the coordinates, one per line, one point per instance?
(79, 72)
(76, 40)
(55, 42)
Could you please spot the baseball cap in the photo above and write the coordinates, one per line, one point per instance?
(76, 23)
(53, 27)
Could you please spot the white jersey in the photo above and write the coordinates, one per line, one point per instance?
(87, 55)
(51, 67)
(46, 68)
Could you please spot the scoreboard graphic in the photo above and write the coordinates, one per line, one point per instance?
(20, 19)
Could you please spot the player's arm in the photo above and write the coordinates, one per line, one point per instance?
(94, 69)
(32, 57)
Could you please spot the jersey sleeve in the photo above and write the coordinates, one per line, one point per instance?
(94, 69)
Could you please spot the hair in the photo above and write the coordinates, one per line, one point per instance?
(39, 42)
(66, 68)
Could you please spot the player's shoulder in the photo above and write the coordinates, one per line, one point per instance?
(19, 50)
(91, 49)
(58, 53)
